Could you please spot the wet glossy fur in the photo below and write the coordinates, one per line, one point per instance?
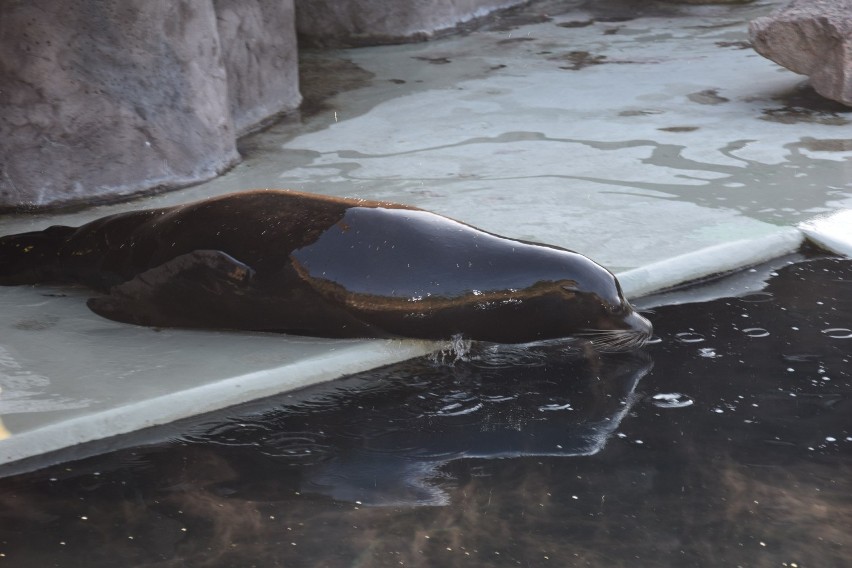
(292, 262)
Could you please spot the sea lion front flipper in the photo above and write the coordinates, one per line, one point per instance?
(183, 292)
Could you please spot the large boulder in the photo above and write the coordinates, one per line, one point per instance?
(103, 99)
(814, 38)
(369, 22)
(261, 59)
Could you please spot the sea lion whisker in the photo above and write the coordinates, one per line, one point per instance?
(614, 339)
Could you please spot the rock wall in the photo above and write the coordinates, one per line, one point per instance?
(103, 99)
(108, 98)
(369, 22)
(261, 59)
(814, 38)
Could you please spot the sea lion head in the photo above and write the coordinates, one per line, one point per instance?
(617, 328)
(611, 323)
(592, 306)
(412, 273)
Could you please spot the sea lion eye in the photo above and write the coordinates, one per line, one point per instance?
(614, 309)
(569, 291)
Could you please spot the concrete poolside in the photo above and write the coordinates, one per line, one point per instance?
(659, 146)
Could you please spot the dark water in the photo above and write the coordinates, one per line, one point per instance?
(727, 443)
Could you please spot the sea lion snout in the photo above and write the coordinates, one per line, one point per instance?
(638, 324)
(624, 331)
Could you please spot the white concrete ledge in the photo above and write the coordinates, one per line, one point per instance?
(176, 405)
(70, 377)
(707, 262)
(647, 286)
(832, 231)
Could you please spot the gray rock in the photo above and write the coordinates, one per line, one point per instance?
(259, 47)
(814, 38)
(103, 99)
(369, 22)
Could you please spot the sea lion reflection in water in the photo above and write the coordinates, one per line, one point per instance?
(282, 261)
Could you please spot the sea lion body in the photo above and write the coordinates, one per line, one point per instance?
(273, 260)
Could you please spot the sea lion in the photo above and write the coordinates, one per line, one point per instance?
(285, 261)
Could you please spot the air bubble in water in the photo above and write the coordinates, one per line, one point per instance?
(671, 400)
(457, 350)
(689, 337)
(755, 332)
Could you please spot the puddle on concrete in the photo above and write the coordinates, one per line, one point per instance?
(802, 104)
(323, 77)
(576, 60)
(707, 97)
(727, 442)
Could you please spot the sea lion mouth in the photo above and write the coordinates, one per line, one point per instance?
(637, 334)
(614, 340)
